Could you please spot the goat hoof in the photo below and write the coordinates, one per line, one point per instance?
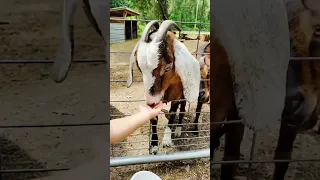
(177, 132)
(153, 150)
(167, 143)
(316, 130)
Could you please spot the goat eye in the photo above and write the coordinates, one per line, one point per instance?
(168, 68)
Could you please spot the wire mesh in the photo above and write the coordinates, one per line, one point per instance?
(187, 141)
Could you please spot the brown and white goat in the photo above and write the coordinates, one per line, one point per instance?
(302, 91)
(204, 92)
(170, 73)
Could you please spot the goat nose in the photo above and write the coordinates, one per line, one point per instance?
(150, 104)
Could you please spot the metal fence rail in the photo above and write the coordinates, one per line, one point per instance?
(119, 159)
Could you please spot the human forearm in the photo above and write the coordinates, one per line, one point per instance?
(123, 127)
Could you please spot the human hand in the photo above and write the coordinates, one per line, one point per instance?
(151, 112)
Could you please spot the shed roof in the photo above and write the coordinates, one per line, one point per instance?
(118, 11)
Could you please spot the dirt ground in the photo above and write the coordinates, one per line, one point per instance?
(28, 95)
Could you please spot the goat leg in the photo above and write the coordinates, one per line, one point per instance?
(177, 132)
(284, 149)
(233, 139)
(167, 141)
(154, 136)
(316, 129)
(196, 120)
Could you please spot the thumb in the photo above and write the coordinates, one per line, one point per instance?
(157, 110)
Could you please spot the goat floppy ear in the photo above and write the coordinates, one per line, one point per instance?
(144, 38)
(132, 61)
(64, 57)
(188, 68)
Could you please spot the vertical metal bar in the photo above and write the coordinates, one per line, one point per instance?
(200, 27)
(195, 25)
(131, 30)
(0, 165)
(150, 134)
(249, 175)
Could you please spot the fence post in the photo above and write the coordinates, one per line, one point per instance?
(131, 30)
(0, 165)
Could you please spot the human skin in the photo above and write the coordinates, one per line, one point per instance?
(123, 127)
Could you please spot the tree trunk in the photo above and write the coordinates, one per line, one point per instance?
(163, 5)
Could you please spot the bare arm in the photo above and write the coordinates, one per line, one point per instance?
(123, 127)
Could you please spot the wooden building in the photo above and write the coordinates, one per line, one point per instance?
(121, 30)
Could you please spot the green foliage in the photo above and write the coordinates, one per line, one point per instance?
(118, 3)
(178, 10)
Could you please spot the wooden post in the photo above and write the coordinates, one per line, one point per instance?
(124, 22)
(131, 30)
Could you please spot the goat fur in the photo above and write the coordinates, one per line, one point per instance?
(184, 81)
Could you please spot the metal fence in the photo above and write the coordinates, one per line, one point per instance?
(134, 150)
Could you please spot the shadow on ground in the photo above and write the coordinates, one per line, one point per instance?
(15, 158)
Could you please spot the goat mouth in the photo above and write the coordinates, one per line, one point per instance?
(153, 105)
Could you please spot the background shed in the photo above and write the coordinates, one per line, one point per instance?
(121, 30)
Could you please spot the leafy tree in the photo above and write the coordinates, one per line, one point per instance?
(176, 10)
(118, 3)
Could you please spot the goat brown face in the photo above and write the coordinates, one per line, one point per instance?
(204, 93)
(164, 74)
(301, 96)
(155, 59)
(314, 7)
